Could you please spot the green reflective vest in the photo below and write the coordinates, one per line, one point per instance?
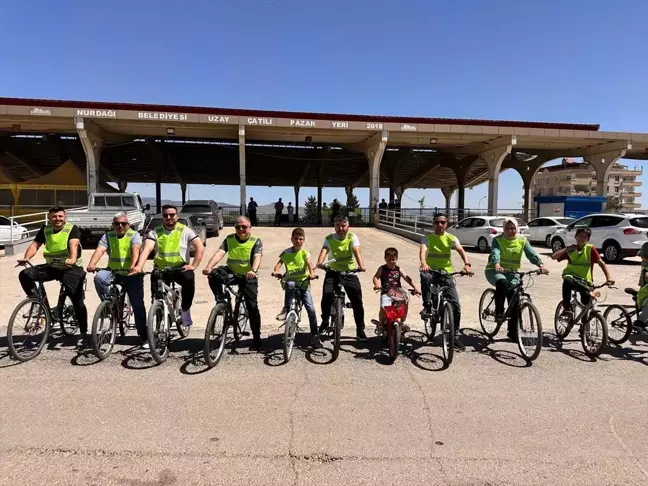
(239, 254)
(296, 265)
(120, 250)
(642, 296)
(168, 251)
(579, 264)
(56, 245)
(342, 252)
(510, 253)
(439, 250)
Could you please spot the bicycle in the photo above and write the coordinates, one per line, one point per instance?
(394, 332)
(594, 330)
(336, 322)
(293, 314)
(529, 338)
(221, 319)
(621, 326)
(441, 312)
(113, 312)
(165, 310)
(37, 319)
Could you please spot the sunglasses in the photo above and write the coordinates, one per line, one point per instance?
(167, 216)
(120, 224)
(441, 222)
(241, 227)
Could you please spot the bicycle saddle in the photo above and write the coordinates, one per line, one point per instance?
(630, 291)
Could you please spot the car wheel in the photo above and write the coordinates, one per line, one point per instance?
(612, 252)
(482, 244)
(548, 241)
(557, 244)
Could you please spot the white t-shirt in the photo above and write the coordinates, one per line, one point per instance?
(188, 235)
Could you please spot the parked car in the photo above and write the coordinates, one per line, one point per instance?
(187, 219)
(616, 235)
(479, 231)
(207, 212)
(6, 234)
(541, 229)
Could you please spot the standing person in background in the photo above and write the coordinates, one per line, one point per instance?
(252, 211)
(291, 213)
(335, 209)
(383, 204)
(278, 210)
(326, 220)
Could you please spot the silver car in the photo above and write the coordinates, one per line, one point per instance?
(208, 214)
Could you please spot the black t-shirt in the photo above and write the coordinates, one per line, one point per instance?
(390, 278)
(75, 234)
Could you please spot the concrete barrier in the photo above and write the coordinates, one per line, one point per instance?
(18, 247)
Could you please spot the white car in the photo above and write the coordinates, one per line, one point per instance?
(19, 232)
(541, 229)
(616, 236)
(479, 231)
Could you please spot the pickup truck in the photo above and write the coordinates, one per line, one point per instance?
(97, 218)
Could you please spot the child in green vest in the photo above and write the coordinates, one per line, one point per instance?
(577, 275)
(299, 269)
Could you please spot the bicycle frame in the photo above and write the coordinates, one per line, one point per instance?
(231, 317)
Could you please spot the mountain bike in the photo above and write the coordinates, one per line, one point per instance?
(115, 311)
(394, 332)
(223, 318)
(293, 312)
(529, 334)
(31, 321)
(594, 330)
(165, 311)
(440, 311)
(620, 320)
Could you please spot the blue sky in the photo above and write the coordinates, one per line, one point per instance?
(567, 61)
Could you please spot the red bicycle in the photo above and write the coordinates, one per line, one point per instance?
(393, 331)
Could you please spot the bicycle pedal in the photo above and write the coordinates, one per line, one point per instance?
(245, 333)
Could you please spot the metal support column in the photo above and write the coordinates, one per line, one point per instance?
(242, 179)
(90, 136)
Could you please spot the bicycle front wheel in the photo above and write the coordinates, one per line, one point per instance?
(104, 330)
(487, 320)
(215, 336)
(394, 341)
(28, 329)
(619, 324)
(337, 317)
(447, 332)
(158, 332)
(595, 334)
(529, 331)
(290, 331)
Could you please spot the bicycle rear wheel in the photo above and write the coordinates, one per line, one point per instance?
(158, 332)
(562, 325)
(66, 316)
(487, 321)
(337, 316)
(290, 330)
(447, 332)
(619, 323)
(394, 341)
(529, 331)
(28, 329)
(104, 330)
(215, 336)
(595, 334)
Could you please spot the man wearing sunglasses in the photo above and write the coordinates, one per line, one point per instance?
(174, 242)
(436, 254)
(122, 245)
(243, 260)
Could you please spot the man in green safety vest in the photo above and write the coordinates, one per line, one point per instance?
(435, 253)
(244, 258)
(173, 243)
(122, 245)
(344, 248)
(63, 263)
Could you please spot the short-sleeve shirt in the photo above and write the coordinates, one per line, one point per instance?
(594, 258)
(644, 265)
(103, 242)
(279, 207)
(355, 242)
(257, 248)
(290, 209)
(188, 235)
(390, 278)
(455, 243)
(75, 234)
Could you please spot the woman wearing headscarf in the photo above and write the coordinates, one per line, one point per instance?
(506, 254)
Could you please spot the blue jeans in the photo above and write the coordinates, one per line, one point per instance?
(134, 287)
(307, 299)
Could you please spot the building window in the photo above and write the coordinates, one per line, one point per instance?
(616, 178)
(547, 181)
(616, 190)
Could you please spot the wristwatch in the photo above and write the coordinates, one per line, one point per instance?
(255, 271)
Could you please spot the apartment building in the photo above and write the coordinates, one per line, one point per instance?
(572, 178)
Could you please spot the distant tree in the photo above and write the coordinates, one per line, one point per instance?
(614, 204)
(310, 209)
(352, 202)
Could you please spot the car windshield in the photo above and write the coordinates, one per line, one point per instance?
(565, 221)
(639, 222)
(197, 208)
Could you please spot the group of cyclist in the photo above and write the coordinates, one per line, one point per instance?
(340, 255)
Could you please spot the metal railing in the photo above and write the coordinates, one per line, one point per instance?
(25, 226)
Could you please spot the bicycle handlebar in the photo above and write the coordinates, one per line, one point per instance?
(523, 274)
(283, 276)
(27, 263)
(446, 274)
(341, 272)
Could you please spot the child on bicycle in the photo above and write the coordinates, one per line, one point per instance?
(581, 258)
(299, 269)
(642, 295)
(388, 280)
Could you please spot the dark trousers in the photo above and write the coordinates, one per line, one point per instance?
(277, 221)
(504, 291)
(186, 280)
(253, 218)
(567, 288)
(72, 279)
(249, 289)
(134, 287)
(351, 284)
(433, 280)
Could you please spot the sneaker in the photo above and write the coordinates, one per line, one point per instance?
(144, 344)
(282, 315)
(257, 344)
(323, 327)
(361, 336)
(83, 341)
(499, 317)
(316, 342)
(186, 318)
(405, 327)
(458, 344)
(566, 314)
(380, 330)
